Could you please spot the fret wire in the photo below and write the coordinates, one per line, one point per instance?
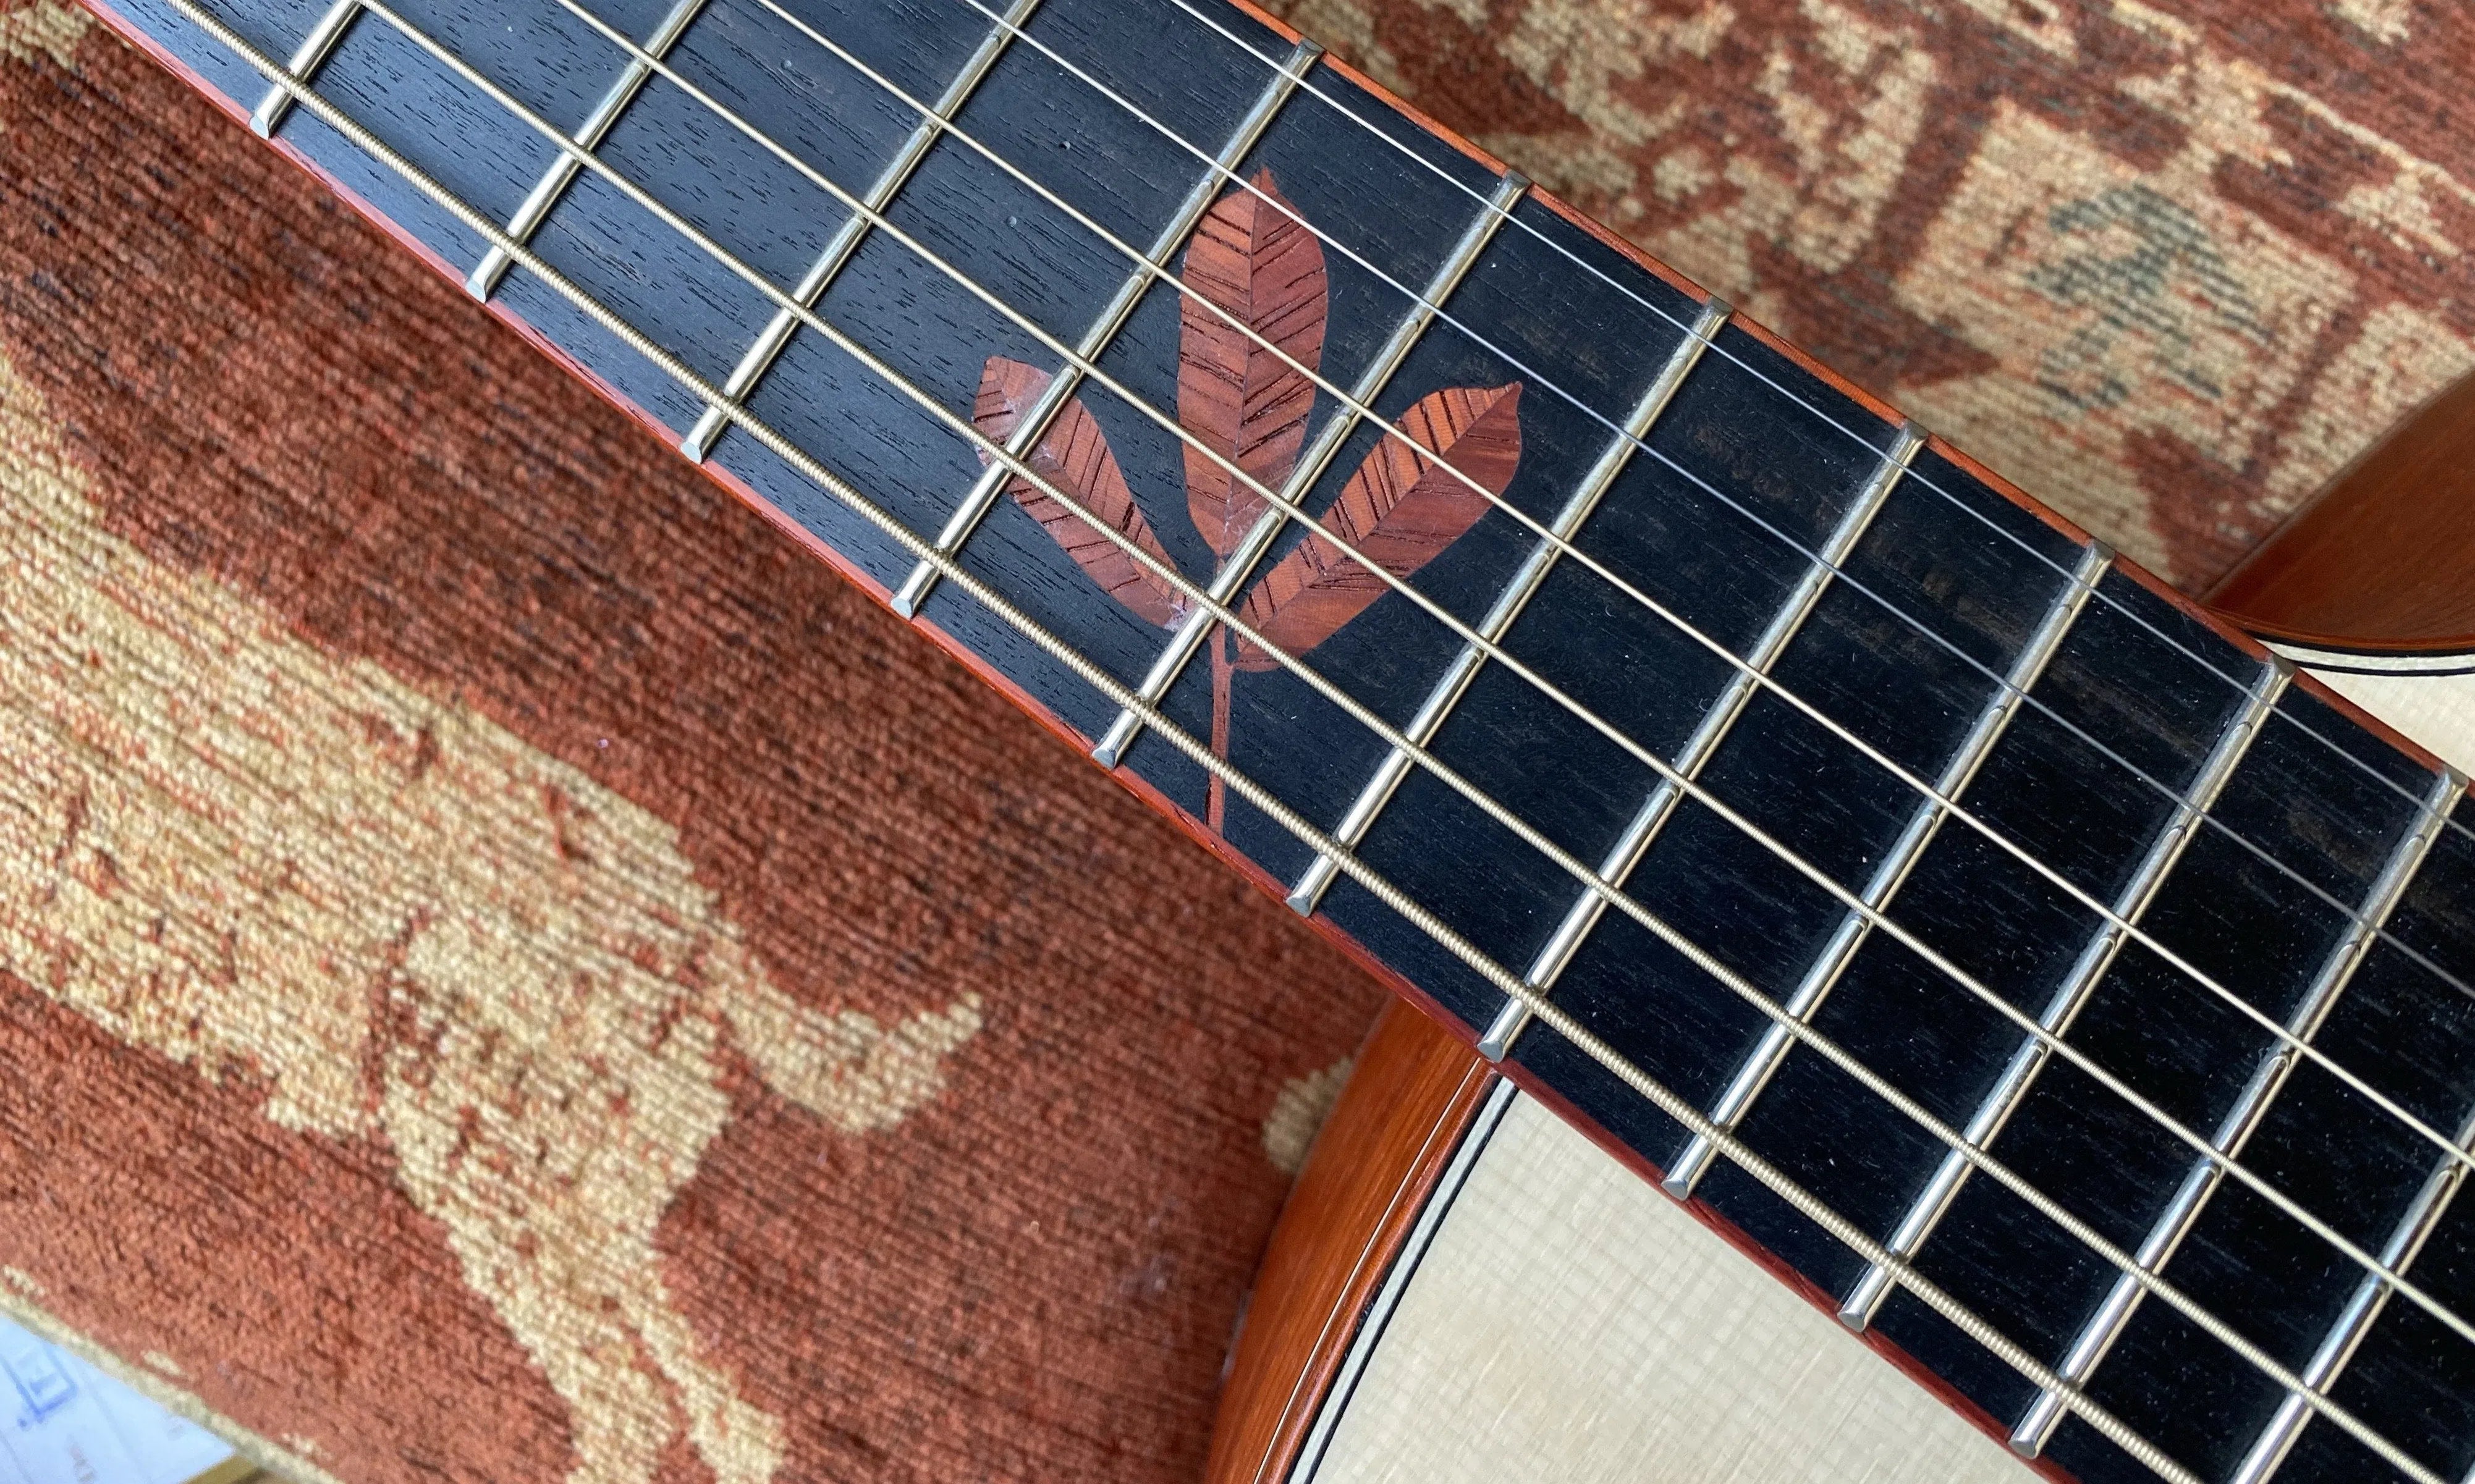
(1112, 318)
(1629, 292)
(1111, 747)
(756, 279)
(1445, 693)
(2063, 1006)
(2406, 1236)
(1932, 636)
(1452, 778)
(759, 357)
(1257, 544)
(1753, 1075)
(1093, 673)
(2089, 1350)
(307, 59)
(2346, 1333)
(1716, 725)
(484, 279)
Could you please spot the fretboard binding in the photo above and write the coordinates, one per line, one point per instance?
(2010, 1089)
(1112, 316)
(1318, 876)
(1642, 832)
(484, 280)
(1093, 673)
(1753, 1073)
(1257, 542)
(762, 351)
(307, 59)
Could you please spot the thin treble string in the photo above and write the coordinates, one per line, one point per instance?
(2236, 683)
(489, 230)
(2418, 805)
(2349, 910)
(1357, 710)
(1093, 674)
(1339, 698)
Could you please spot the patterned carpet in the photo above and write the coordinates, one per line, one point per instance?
(2166, 265)
(510, 972)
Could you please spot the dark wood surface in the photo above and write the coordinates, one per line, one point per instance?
(1718, 520)
(1387, 1139)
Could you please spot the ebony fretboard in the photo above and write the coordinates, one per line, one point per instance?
(2157, 764)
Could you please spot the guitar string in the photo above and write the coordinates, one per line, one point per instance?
(2419, 805)
(1683, 945)
(2236, 683)
(1093, 673)
(1597, 884)
(2342, 906)
(2106, 911)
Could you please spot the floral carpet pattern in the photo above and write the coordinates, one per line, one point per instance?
(2166, 265)
(508, 970)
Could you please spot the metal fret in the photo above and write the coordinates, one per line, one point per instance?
(2355, 1320)
(1171, 663)
(1704, 744)
(484, 280)
(1096, 675)
(760, 354)
(1865, 1299)
(1754, 1073)
(1113, 317)
(2097, 1337)
(307, 59)
(1319, 874)
(2405, 1239)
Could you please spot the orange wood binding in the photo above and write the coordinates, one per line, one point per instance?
(2385, 559)
(1381, 1152)
(2382, 560)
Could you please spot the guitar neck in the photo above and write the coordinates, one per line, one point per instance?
(1785, 799)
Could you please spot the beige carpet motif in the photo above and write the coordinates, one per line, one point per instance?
(2167, 265)
(511, 971)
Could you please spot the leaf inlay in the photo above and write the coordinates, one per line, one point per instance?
(1074, 454)
(1401, 509)
(1256, 260)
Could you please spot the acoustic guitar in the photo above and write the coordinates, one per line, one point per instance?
(1898, 992)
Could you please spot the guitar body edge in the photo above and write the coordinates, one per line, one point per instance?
(1375, 1163)
(1533, 1308)
(2382, 561)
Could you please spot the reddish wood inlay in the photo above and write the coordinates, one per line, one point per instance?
(1075, 455)
(1393, 1129)
(2384, 559)
(1254, 259)
(1400, 511)
(1379, 1155)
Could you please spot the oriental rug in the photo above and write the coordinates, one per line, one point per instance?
(511, 971)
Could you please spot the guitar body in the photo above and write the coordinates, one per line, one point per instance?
(1467, 1289)
(1866, 922)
